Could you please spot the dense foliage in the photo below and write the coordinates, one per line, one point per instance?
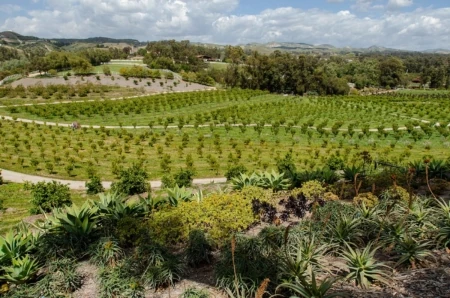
(49, 195)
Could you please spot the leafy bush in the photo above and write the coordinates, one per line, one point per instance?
(167, 181)
(329, 196)
(47, 196)
(395, 193)
(368, 199)
(218, 215)
(129, 231)
(94, 185)
(132, 180)
(312, 190)
(234, 171)
(183, 178)
(335, 163)
(253, 192)
(1, 178)
(198, 251)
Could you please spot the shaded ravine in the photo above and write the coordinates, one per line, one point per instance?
(17, 177)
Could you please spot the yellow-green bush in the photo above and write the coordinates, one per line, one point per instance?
(396, 193)
(368, 198)
(312, 190)
(329, 196)
(218, 215)
(254, 192)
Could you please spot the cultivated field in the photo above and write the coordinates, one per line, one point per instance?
(216, 129)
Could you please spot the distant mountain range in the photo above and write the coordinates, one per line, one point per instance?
(14, 39)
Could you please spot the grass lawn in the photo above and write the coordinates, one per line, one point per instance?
(16, 202)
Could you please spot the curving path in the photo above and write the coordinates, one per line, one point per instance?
(80, 185)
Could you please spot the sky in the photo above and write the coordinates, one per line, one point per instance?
(401, 24)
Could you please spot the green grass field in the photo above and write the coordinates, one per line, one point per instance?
(16, 201)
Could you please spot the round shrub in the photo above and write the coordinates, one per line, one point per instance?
(94, 185)
(132, 180)
(218, 215)
(251, 193)
(312, 190)
(396, 193)
(234, 171)
(47, 196)
(368, 198)
(329, 196)
(183, 178)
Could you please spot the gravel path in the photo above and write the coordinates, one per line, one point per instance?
(80, 185)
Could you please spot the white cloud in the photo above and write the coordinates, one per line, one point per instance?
(396, 4)
(9, 8)
(214, 21)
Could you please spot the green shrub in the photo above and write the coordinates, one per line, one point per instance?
(368, 198)
(1, 178)
(198, 251)
(132, 180)
(94, 185)
(129, 230)
(335, 163)
(106, 252)
(167, 181)
(218, 215)
(234, 171)
(251, 193)
(312, 190)
(49, 195)
(396, 193)
(183, 178)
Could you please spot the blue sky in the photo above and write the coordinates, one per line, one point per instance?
(404, 24)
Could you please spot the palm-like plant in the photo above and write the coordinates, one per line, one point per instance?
(351, 172)
(274, 181)
(363, 267)
(312, 289)
(22, 270)
(412, 251)
(178, 194)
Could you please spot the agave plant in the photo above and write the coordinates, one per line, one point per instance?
(363, 267)
(274, 181)
(302, 258)
(436, 168)
(178, 194)
(114, 206)
(345, 229)
(22, 270)
(306, 289)
(412, 251)
(78, 223)
(244, 180)
(13, 246)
